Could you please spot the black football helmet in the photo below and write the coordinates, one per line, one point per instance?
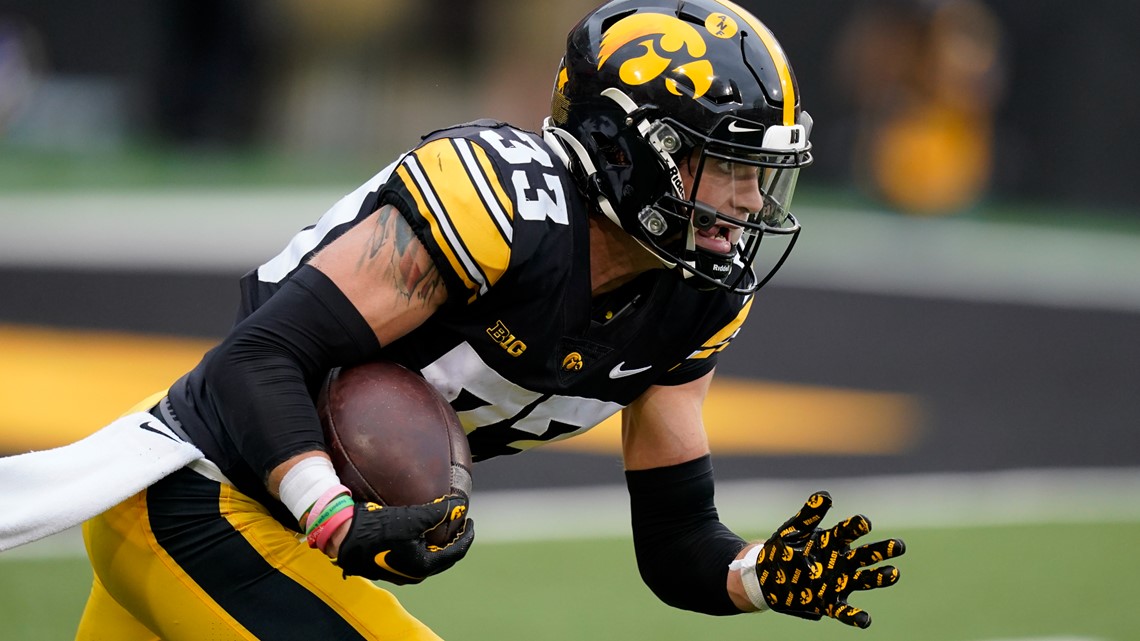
(649, 89)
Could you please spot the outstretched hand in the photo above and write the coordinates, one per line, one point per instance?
(809, 572)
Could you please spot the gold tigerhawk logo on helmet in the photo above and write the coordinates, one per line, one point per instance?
(670, 44)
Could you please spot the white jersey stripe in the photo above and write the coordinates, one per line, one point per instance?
(344, 211)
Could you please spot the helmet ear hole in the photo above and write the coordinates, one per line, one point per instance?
(612, 153)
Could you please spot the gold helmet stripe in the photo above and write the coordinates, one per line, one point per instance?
(779, 58)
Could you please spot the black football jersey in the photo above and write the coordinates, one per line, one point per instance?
(521, 349)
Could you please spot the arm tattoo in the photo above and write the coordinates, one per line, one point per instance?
(412, 281)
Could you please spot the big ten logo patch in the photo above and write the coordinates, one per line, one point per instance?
(503, 336)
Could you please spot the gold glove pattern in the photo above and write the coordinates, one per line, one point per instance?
(808, 572)
(387, 543)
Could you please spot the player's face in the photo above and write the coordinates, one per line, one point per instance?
(733, 189)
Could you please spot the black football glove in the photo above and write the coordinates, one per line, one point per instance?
(387, 543)
(809, 572)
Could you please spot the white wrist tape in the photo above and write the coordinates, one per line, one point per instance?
(747, 567)
(305, 482)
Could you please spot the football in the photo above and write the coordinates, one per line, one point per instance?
(394, 439)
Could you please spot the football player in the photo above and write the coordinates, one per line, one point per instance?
(542, 282)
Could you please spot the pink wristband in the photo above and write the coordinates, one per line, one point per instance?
(323, 501)
(319, 538)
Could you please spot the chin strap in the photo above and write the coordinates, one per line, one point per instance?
(665, 141)
(562, 141)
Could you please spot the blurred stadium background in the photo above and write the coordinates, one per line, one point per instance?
(953, 347)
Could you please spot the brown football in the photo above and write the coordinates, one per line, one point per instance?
(394, 439)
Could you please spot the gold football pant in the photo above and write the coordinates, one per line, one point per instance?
(195, 560)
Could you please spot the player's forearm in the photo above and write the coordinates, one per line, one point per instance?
(262, 378)
(683, 550)
(278, 474)
(299, 482)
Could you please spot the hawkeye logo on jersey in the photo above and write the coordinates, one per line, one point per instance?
(573, 362)
(671, 46)
(503, 336)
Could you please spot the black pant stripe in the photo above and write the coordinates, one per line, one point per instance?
(187, 522)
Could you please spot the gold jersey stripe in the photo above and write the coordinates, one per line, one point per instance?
(722, 338)
(779, 59)
(477, 234)
(439, 220)
(490, 180)
(726, 334)
(444, 246)
(701, 353)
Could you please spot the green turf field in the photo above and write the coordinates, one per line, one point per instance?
(1073, 582)
(1055, 582)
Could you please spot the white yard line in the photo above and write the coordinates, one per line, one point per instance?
(212, 231)
(964, 259)
(237, 229)
(892, 502)
(754, 507)
(1044, 639)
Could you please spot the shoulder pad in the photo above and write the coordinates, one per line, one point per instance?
(482, 123)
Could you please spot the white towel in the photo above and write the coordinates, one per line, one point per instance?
(45, 492)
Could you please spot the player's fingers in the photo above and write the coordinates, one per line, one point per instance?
(849, 530)
(442, 558)
(430, 515)
(810, 616)
(450, 500)
(849, 614)
(869, 579)
(463, 537)
(878, 551)
(809, 516)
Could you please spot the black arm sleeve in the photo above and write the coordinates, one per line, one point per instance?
(263, 378)
(683, 550)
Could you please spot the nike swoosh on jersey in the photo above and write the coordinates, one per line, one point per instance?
(382, 561)
(618, 372)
